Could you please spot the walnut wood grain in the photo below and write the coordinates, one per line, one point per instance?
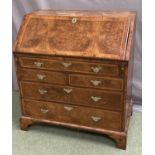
(61, 57)
(70, 114)
(42, 76)
(74, 66)
(78, 96)
(96, 82)
(42, 32)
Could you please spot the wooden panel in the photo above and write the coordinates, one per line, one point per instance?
(72, 95)
(41, 76)
(77, 35)
(72, 114)
(70, 65)
(96, 82)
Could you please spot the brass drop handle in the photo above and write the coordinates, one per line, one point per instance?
(38, 64)
(42, 91)
(95, 82)
(44, 111)
(68, 90)
(66, 64)
(96, 69)
(95, 98)
(96, 119)
(68, 108)
(40, 76)
(74, 20)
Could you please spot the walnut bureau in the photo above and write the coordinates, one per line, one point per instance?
(74, 69)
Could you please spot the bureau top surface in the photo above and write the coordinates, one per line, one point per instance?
(92, 34)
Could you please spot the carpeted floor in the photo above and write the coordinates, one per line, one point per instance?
(50, 140)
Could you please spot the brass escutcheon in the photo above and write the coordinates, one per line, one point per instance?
(96, 119)
(96, 69)
(95, 82)
(40, 76)
(38, 64)
(74, 20)
(95, 98)
(66, 64)
(67, 90)
(44, 111)
(42, 91)
(68, 108)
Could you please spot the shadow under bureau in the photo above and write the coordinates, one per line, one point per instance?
(74, 69)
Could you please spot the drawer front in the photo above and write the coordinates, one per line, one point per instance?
(72, 95)
(73, 114)
(41, 76)
(96, 82)
(70, 65)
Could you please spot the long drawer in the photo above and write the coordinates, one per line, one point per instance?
(70, 65)
(70, 114)
(72, 95)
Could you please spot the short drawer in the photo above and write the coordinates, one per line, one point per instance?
(96, 82)
(70, 66)
(72, 95)
(72, 114)
(41, 76)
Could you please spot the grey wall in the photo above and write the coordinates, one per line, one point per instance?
(20, 7)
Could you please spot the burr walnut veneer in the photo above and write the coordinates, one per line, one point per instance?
(74, 69)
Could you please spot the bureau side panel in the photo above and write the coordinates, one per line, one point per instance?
(129, 75)
(17, 67)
